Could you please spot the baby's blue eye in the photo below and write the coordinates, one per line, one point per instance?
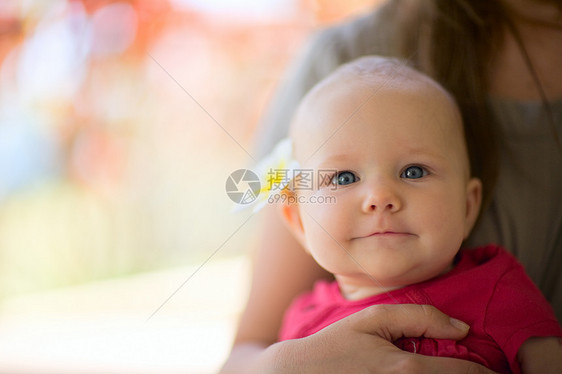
(344, 178)
(413, 172)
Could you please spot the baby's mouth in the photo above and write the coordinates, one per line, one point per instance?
(387, 234)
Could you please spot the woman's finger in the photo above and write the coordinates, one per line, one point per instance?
(392, 322)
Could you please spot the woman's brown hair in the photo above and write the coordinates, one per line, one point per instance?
(454, 42)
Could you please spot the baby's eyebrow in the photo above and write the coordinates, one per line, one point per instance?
(337, 159)
(410, 150)
(424, 151)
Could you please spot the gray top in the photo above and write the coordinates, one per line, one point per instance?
(526, 212)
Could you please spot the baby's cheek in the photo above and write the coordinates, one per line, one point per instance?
(445, 222)
(326, 251)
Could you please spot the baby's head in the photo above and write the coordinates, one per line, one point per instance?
(400, 199)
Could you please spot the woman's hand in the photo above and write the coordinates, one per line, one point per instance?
(361, 343)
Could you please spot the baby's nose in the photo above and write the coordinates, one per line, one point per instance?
(380, 199)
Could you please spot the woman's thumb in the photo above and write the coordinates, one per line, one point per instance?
(409, 320)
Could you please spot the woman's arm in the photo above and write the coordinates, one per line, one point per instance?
(541, 356)
(282, 269)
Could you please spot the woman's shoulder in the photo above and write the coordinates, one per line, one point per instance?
(370, 33)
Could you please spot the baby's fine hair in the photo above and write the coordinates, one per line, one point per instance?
(378, 70)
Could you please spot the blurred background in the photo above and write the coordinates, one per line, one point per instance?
(119, 124)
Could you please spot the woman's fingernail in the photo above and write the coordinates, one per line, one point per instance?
(459, 324)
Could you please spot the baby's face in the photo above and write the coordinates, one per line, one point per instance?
(403, 197)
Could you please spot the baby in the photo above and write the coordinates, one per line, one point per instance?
(402, 202)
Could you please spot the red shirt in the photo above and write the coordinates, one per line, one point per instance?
(487, 288)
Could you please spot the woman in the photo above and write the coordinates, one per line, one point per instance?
(501, 60)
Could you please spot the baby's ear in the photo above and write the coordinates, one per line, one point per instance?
(473, 201)
(292, 216)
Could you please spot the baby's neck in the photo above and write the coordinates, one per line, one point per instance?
(358, 292)
(357, 288)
